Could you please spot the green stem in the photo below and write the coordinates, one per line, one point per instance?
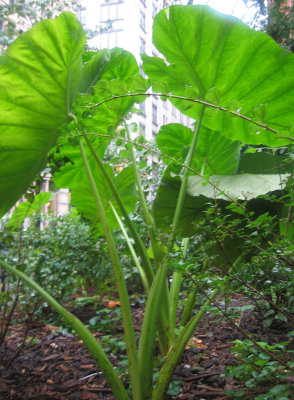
(132, 250)
(134, 369)
(174, 297)
(198, 101)
(139, 244)
(175, 287)
(164, 331)
(89, 340)
(177, 349)
(187, 311)
(149, 327)
(184, 183)
(147, 215)
(152, 150)
(176, 219)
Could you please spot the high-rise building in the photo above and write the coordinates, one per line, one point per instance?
(128, 24)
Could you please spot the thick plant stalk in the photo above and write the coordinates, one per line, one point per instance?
(177, 349)
(146, 264)
(134, 369)
(176, 279)
(163, 327)
(146, 346)
(184, 183)
(174, 297)
(179, 343)
(176, 286)
(149, 327)
(150, 224)
(187, 311)
(132, 250)
(164, 331)
(89, 340)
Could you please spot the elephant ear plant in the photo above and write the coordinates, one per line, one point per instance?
(56, 101)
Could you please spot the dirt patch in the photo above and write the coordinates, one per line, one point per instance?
(54, 365)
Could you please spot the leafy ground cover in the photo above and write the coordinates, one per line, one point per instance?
(54, 364)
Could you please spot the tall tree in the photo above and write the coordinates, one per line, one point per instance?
(17, 16)
(276, 18)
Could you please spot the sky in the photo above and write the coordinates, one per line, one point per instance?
(230, 7)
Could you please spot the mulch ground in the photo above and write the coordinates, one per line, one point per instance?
(53, 365)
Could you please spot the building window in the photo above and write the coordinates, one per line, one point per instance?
(141, 129)
(142, 107)
(181, 118)
(174, 111)
(111, 12)
(142, 46)
(154, 10)
(165, 105)
(154, 114)
(142, 20)
(154, 133)
(143, 2)
(83, 19)
(108, 40)
(164, 119)
(81, 15)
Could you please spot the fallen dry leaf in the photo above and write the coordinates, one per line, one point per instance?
(195, 342)
(112, 304)
(86, 366)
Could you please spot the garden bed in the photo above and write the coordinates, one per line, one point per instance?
(56, 365)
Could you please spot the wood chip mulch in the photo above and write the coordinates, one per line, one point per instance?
(52, 365)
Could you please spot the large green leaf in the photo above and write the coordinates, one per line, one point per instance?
(214, 154)
(39, 78)
(73, 176)
(265, 163)
(219, 59)
(241, 187)
(165, 204)
(93, 69)
(117, 77)
(223, 189)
